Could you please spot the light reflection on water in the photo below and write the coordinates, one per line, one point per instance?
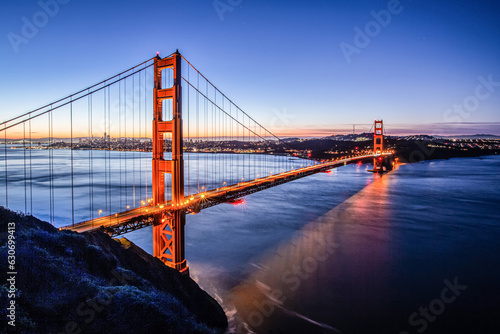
(289, 282)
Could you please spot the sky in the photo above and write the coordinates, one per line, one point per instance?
(304, 68)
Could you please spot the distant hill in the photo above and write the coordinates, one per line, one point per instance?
(477, 136)
(290, 139)
(351, 136)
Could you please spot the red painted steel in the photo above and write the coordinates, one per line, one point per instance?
(168, 229)
(378, 144)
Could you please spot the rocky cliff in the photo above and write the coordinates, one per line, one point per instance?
(89, 283)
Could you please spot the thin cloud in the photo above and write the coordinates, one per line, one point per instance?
(397, 129)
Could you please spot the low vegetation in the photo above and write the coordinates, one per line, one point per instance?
(90, 283)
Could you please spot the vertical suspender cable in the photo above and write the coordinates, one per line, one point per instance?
(145, 135)
(140, 146)
(52, 188)
(90, 149)
(5, 159)
(188, 154)
(25, 185)
(198, 132)
(110, 182)
(125, 148)
(229, 180)
(31, 172)
(90, 140)
(49, 151)
(72, 171)
(205, 131)
(222, 120)
(91, 157)
(243, 145)
(109, 154)
(105, 155)
(133, 140)
(120, 137)
(216, 156)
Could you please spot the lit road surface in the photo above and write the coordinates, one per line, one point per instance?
(191, 201)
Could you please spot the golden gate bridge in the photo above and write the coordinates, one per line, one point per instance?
(103, 123)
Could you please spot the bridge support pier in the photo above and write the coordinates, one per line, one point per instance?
(168, 240)
(168, 230)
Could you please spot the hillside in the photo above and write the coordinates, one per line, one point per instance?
(90, 283)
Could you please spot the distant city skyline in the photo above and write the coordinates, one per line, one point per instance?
(391, 130)
(306, 69)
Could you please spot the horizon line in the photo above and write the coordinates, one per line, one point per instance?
(226, 138)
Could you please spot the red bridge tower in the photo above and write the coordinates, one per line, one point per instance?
(168, 230)
(378, 145)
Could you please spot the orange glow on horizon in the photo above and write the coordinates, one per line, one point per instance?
(17, 133)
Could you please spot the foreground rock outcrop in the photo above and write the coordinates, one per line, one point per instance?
(89, 283)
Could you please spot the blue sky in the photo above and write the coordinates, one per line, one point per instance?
(432, 67)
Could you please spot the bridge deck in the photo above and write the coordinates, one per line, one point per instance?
(137, 218)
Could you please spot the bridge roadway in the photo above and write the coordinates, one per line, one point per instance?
(143, 216)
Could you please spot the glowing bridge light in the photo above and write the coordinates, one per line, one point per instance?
(236, 202)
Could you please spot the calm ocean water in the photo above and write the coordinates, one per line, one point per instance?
(413, 251)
